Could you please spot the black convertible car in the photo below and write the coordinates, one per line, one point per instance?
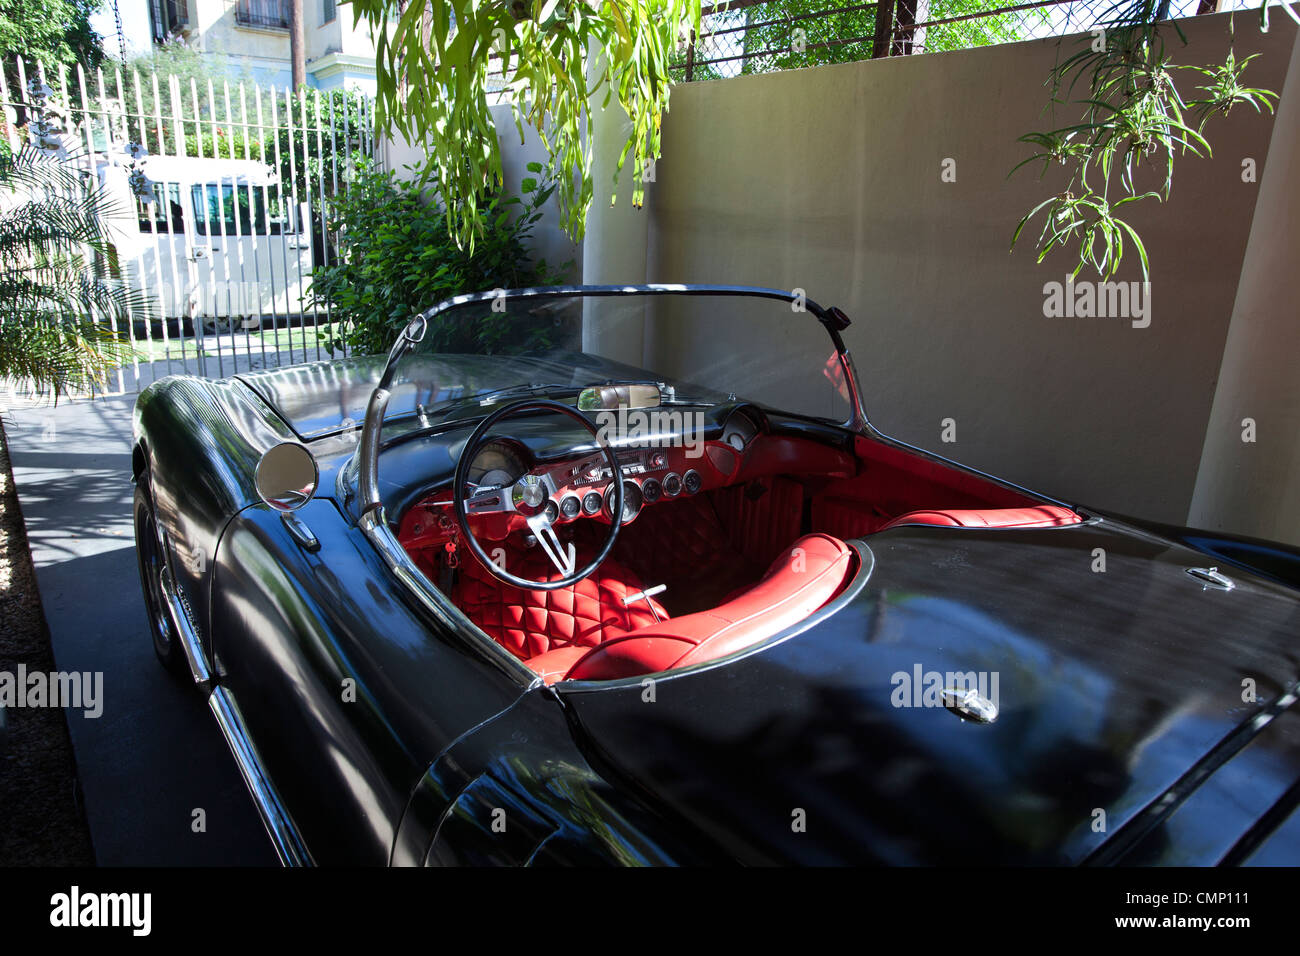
(510, 596)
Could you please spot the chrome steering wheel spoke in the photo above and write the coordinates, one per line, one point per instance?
(565, 560)
(528, 498)
(488, 501)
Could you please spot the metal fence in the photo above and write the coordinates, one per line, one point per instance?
(221, 194)
(761, 36)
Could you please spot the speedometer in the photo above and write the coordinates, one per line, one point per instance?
(497, 464)
(631, 500)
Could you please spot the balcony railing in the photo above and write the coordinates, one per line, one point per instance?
(268, 14)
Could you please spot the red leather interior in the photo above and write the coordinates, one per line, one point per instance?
(761, 517)
(1042, 516)
(893, 482)
(532, 623)
(806, 576)
(711, 549)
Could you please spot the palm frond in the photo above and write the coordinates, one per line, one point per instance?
(62, 303)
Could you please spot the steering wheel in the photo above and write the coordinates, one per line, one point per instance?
(528, 497)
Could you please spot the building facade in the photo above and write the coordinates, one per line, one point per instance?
(254, 35)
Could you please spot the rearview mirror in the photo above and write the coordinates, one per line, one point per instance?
(619, 396)
(287, 476)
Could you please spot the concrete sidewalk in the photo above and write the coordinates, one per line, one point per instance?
(155, 755)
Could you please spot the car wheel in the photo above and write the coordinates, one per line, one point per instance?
(149, 554)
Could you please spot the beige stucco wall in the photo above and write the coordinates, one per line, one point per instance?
(1250, 467)
(829, 180)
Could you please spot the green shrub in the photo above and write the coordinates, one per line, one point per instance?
(397, 258)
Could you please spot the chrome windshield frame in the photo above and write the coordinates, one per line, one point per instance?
(368, 449)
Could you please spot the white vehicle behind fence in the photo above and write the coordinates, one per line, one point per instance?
(219, 242)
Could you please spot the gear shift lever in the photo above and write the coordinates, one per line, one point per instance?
(645, 595)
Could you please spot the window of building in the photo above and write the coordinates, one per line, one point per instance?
(267, 14)
(327, 11)
(168, 17)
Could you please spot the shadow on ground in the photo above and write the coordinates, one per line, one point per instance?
(155, 756)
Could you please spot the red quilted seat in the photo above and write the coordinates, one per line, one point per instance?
(1044, 516)
(806, 576)
(530, 623)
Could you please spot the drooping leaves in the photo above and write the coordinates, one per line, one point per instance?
(440, 65)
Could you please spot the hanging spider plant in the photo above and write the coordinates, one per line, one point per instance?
(1134, 121)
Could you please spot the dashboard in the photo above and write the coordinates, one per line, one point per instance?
(505, 476)
(510, 481)
(582, 487)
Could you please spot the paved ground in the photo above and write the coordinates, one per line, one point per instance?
(155, 755)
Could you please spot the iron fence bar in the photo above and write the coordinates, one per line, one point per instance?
(109, 142)
(772, 51)
(797, 17)
(266, 224)
(324, 223)
(161, 130)
(225, 245)
(88, 129)
(153, 229)
(910, 27)
(303, 222)
(144, 282)
(207, 234)
(881, 40)
(289, 220)
(334, 172)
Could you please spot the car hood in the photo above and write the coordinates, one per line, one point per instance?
(324, 397)
(1120, 681)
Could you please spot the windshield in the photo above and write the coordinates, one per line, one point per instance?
(705, 348)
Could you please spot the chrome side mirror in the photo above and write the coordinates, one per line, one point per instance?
(287, 477)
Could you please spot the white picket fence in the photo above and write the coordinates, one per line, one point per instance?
(223, 194)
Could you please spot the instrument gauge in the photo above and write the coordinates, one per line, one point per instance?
(498, 464)
(672, 485)
(552, 511)
(651, 490)
(591, 503)
(740, 430)
(692, 482)
(632, 499)
(571, 506)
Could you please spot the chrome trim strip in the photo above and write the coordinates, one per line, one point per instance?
(1212, 578)
(858, 420)
(289, 846)
(190, 645)
(367, 453)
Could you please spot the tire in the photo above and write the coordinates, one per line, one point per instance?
(150, 558)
